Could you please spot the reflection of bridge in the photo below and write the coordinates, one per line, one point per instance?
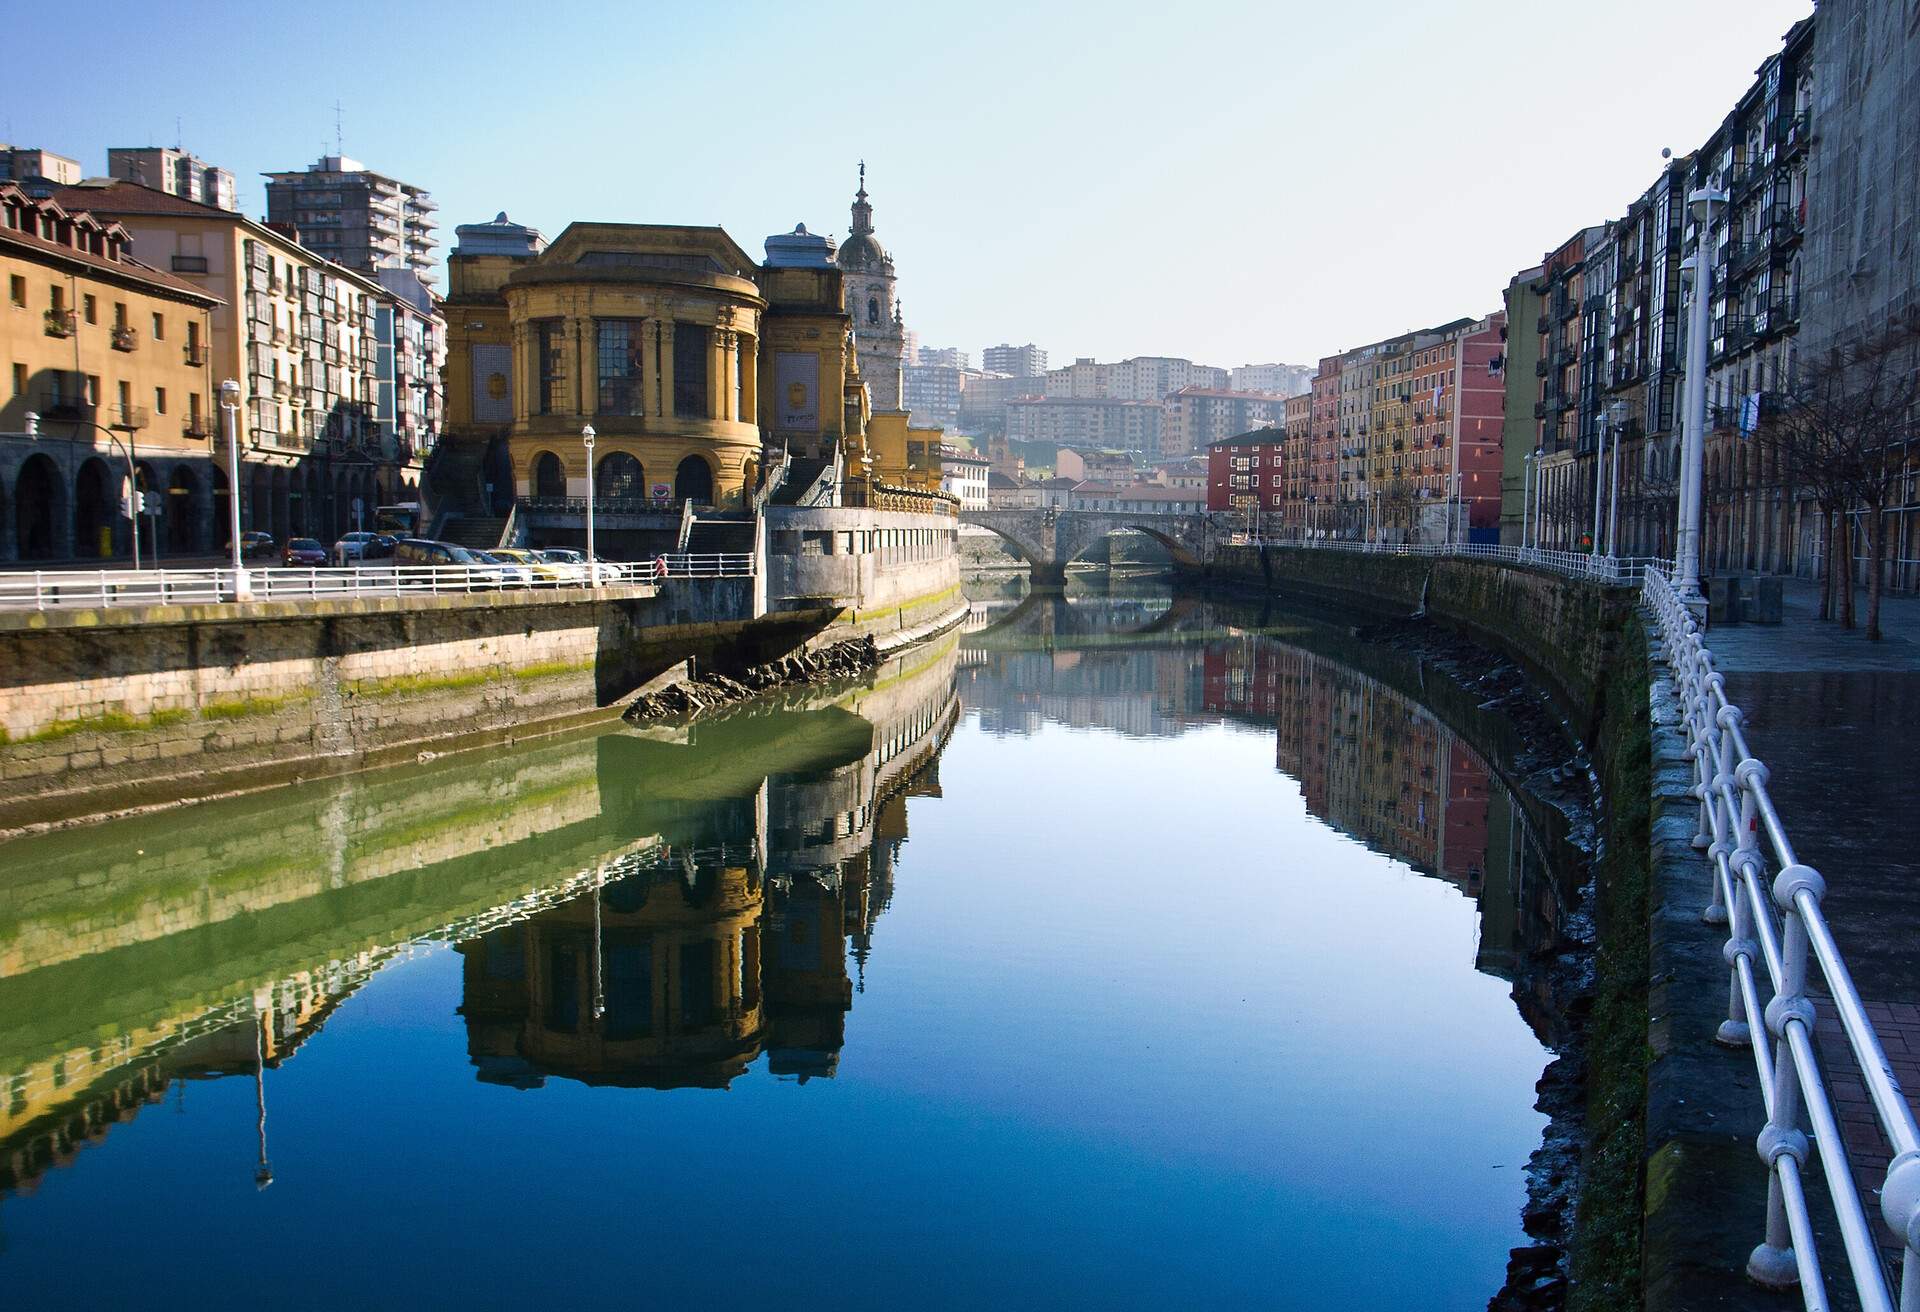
(1048, 538)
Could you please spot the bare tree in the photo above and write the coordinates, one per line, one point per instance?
(1844, 431)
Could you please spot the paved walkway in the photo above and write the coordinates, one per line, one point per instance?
(1833, 716)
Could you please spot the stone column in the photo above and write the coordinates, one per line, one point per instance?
(666, 369)
(650, 368)
(730, 374)
(749, 378)
(525, 370)
(716, 373)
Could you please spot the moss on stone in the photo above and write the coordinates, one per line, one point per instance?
(105, 722)
(239, 708)
(1606, 1268)
(403, 684)
(551, 669)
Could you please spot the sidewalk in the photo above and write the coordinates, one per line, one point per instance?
(1830, 714)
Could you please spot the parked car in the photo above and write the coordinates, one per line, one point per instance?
(484, 569)
(511, 573)
(574, 565)
(352, 547)
(303, 551)
(544, 572)
(255, 544)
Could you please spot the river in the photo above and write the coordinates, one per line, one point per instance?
(1123, 949)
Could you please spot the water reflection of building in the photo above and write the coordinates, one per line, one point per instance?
(1379, 766)
(680, 969)
(136, 957)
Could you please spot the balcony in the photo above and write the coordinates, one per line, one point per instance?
(194, 426)
(1564, 357)
(195, 354)
(1788, 134)
(127, 418)
(1564, 307)
(64, 408)
(1737, 333)
(1539, 409)
(60, 323)
(1788, 226)
(278, 336)
(189, 264)
(124, 338)
(1742, 255)
(1542, 325)
(1542, 367)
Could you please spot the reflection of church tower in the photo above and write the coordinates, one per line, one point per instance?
(877, 335)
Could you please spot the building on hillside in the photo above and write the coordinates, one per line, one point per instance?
(1247, 473)
(1027, 361)
(1004, 493)
(1197, 416)
(934, 391)
(963, 475)
(1109, 466)
(175, 172)
(24, 164)
(1273, 379)
(1188, 471)
(1140, 378)
(108, 365)
(874, 304)
(1086, 422)
(984, 399)
(951, 357)
(355, 217)
(299, 335)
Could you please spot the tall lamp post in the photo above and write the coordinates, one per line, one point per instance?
(1702, 205)
(230, 404)
(1616, 420)
(593, 565)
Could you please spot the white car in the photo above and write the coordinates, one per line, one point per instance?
(352, 547)
(575, 565)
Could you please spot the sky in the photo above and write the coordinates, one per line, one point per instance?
(1232, 182)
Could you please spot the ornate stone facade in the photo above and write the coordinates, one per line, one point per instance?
(873, 304)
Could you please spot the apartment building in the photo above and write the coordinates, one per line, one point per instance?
(1274, 379)
(1027, 361)
(107, 367)
(1141, 378)
(355, 217)
(1247, 472)
(1086, 421)
(1197, 416)
(175, 172)
(300, 335)
(20, 164)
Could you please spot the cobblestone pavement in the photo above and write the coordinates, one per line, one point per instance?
(1832, 716)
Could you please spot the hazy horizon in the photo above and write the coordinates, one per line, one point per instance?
(1223, 184)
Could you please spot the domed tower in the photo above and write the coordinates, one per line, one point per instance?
(877, 333)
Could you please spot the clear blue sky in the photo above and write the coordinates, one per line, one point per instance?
(1229, 181)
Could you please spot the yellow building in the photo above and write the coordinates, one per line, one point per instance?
(694, 366)
(109, 358)
(297, 332)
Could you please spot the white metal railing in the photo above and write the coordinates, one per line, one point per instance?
(52, 589)
(1623, 570)
(1778, 926)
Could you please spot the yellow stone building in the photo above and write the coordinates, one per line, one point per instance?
(694, 365)
(109, 358)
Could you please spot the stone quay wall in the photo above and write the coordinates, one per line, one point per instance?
(105, 710)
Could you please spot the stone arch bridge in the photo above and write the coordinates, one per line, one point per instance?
(1048, 538)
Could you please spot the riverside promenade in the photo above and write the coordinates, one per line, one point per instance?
(1828, 711)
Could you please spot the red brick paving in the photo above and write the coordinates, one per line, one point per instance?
(1898, 1025)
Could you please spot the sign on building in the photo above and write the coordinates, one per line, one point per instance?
(797, 387)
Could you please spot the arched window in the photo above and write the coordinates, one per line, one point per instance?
(549, 476)
(693, 481)
(873, 309)
(619, 478)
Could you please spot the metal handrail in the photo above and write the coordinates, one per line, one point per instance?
(57, 589)
(1616, 570)
(1778, 927)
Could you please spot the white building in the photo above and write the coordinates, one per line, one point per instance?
(1027, 361)
(353, 216)
(964, 475)
(1274, 379)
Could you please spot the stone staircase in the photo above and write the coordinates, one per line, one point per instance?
(803, 474)
(712, 537)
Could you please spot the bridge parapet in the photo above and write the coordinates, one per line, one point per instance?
(1050, 537)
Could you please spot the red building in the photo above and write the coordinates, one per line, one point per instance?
(1247, 473)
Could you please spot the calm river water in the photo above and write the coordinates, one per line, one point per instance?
(1119, 951)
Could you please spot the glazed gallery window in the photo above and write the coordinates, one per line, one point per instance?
(547, 339)
(618, 352)
(690, 363)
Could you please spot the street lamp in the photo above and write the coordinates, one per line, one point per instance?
(1616, 421)
(593, 567)
(1702, 205)
(230, 403)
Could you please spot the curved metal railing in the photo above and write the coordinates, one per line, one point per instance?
(1773, 930)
